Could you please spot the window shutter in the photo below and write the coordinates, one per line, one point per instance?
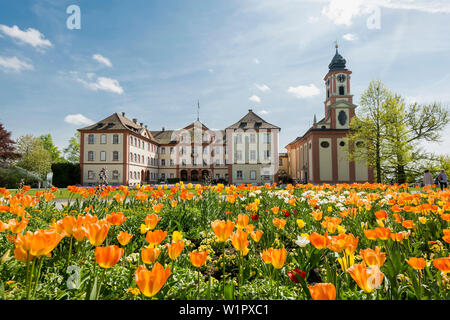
(112, 155)
(93, 153)
(86, 156)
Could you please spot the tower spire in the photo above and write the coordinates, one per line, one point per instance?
(198, 110)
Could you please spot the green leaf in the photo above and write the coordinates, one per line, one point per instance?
(229, 291)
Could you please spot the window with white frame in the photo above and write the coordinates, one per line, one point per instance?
(91, 175)
(253, 155)
(91, 156)
(115, 156)
(103, 139)
(91, 139)
(252, 138)
(252, 175)
(115, 174)
(239, 175)
(102, 155)
(116, 139)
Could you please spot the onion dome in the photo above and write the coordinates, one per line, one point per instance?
(338, 62)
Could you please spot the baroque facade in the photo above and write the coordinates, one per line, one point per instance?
(245, 152)
(319, 155)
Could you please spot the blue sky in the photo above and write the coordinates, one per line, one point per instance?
(154, 59)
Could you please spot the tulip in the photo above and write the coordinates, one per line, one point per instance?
(66, 225)
(373, 257)
(300, 223)
(223, 229)
(175, 249)
(21, 255)
(155, 237)
(417, 263)
(256, 235)
(319, 241)
(151, 221)
(278, 257)
(239, 240)
(279, 223)
(242, 221)
(97, 232)
(107, 257)
(177, 236)
(198, 258)
(383, 233)
(370, 234)
(149, 255)
(323, 291)
(442, 264)
(293, 275)
(151, 282)
(116, 219)
(124, 238)
(368, 279)
(17, 227)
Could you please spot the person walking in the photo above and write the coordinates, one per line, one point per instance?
(443, 179)
(427, 178)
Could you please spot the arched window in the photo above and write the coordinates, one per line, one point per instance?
(341, 90)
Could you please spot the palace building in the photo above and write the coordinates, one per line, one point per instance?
(319, 155)
(245, 152)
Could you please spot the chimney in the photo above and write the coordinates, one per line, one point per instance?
(135, 120)
(250, 110)
(163, 129)
(123, 114)
(145, 126)
(142, 124)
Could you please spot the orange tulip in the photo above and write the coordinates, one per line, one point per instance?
(417, 263)
(397, 237)
(116, 219)
(383, 233)
(239, 240)
(175, 249)
(317, 215)
(3, 226)
(107, 257)
(442, 264)
(373, 257)
(368, 279)
(17, 227)
(124, 237)
(242, 221)
(381, 215)
(151, 221)
(21, 255)
(278, 257)
(279, 223)
(151, 282)
(319, 241)
(408, 224)
(65, 225)
(370, 234)
(222, 229)
(323, 291)
(155, 237)
(40, 242)
(275, 210)
(97, 232)
(198, 258)
(256, 235)
(149, 255)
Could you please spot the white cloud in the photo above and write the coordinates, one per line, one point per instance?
(14, 64)
(350, 37)
(262, 87)
(30, 36)
(256, 61)
(301, 92)
(78, 119)
(102, 60)
(342, 12)
(102, 83)
(255, 98)
(264, 112)
(211, 70)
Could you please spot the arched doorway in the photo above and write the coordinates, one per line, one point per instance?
(194, 175)
(183, 175)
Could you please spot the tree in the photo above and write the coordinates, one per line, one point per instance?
(48, 144)
(392, 131)
(72, 152)
(369, 127)
(7, 148)
(34, 157)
